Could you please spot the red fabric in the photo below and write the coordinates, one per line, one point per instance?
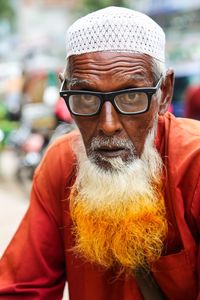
(39, 258)
(192, 102)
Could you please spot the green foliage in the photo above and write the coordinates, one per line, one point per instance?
(88, 6)
(3, 111)
(6, 10)
(7, 127)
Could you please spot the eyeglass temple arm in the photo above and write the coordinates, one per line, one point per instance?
(62, 84)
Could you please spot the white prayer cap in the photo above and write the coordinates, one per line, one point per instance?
(116, 29)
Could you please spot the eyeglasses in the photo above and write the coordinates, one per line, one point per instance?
(127, 102)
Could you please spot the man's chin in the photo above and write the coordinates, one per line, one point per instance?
(103, 164)
(114, 163)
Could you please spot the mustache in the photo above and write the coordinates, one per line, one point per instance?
(111, 142)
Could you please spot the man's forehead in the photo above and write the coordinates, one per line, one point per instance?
(126, 67)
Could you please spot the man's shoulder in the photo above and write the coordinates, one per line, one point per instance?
(186, 127)
(54, 174)
(180, 149)
(181, 122)
(183, 144)
(181, 134)
(63, 144)
(183, 165)
(59, 157)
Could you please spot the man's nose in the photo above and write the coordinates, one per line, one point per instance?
(109, 120)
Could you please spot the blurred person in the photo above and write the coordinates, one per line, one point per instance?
(192, 102)
(62, 112)
(14, 95)
(115, 207)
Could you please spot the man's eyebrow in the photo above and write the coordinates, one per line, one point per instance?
(137, 78)
(76, 81)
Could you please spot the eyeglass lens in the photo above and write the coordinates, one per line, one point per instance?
(86, 104)
(131, 102)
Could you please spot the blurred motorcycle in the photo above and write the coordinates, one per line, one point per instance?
(30, 140)
(40, 126)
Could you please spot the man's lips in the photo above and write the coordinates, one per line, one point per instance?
(111, 151)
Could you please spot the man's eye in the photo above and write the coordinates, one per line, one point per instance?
(131, 96)
(87, 97)
(127, 98)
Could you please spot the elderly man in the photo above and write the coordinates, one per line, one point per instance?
(115, 206)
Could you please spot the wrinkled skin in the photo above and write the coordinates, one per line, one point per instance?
(106, 72)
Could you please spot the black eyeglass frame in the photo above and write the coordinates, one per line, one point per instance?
(110, 96)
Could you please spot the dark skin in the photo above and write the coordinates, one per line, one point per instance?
(106, 72)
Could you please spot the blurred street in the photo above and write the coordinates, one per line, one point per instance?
(14, 200)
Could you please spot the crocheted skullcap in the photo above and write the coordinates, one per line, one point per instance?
(116, 29)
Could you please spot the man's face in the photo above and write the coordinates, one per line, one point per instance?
(106, 72)
(122, 220)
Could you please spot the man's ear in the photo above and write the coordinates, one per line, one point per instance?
(167, 88)
(61, 77)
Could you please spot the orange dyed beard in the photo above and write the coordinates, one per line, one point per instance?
(129, 237)
(119, 214)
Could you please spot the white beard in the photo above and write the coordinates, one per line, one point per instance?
(118, 214)
(110, 187)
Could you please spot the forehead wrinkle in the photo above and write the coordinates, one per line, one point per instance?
(137, 72)
(97, 61)
(76, 81)
(122, 71)
(140, 79)
(134, 77)
(106, 66)
(98, 68)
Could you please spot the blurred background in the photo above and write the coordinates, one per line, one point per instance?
(32, 53)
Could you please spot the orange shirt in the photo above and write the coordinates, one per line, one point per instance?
(39, 259)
